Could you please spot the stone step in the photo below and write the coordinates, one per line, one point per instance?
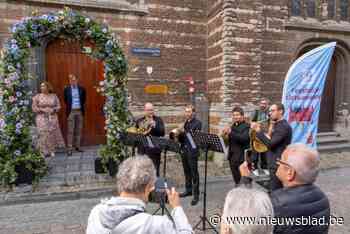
(331, 140)
(334, 148)
(327, 134)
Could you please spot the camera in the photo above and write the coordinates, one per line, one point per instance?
(159, 194)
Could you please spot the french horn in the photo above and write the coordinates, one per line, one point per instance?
(176, 132)
(143, 127)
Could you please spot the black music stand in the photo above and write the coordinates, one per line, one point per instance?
(207, 142)
(135, 140)
(165, 145)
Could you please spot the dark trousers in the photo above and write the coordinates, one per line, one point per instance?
(234, 166)
(155, 157)
(190, 165)
(260, 158)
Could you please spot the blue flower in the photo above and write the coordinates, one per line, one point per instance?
(19, 126)
(17, 152)
(18, 94)
(35, 26)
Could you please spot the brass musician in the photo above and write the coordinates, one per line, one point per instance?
(150, 124)
(237, 137)
(189, 155)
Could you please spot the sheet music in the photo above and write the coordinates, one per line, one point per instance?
(149, 142)
(190, 139)
(224, 147)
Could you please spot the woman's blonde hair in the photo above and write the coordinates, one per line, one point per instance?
(48, 86)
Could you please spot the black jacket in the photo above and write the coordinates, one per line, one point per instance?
(192, 125)
(238, 141)
(301, 201)
(298, 202)
(69, 100)
(157, 131)
(280, 139)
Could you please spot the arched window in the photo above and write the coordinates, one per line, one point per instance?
(331, 9)
(296, 7)
(344, 5)
(311, 8)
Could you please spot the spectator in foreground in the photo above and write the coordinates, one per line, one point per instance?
(126, 213)
(299, 198)
(242, 203)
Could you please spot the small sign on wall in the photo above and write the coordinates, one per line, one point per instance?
(153, 52)
(156, 89)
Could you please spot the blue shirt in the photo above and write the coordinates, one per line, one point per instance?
(75, 98)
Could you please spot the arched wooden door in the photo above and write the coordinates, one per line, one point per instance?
(327, 111)
(63, 58)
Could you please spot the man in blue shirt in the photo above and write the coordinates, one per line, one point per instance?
(74, 97)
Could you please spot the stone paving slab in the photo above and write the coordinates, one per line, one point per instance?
(70, 216)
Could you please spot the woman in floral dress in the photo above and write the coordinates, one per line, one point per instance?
(46, 105)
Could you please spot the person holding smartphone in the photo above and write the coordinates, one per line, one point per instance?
(239, 140)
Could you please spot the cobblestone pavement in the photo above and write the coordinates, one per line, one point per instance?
(71, 216)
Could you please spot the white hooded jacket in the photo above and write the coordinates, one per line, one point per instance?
(120, 215)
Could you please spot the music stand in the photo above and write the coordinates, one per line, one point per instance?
(214, 143)
(165, 145)
(135, 140)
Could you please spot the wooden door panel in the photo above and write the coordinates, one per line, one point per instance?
(326, 117)
(64, 58)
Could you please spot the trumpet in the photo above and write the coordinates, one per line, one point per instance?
(176, 132)
(255, 143)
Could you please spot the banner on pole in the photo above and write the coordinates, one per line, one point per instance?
(302, 92)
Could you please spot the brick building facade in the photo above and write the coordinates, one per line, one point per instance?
(236, 51)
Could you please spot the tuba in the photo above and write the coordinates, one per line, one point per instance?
(255, 143)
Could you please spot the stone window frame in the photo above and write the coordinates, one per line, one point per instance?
(139, 8)
(321, 10)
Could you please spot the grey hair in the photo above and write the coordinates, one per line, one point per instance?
(135, 174)
(305, 161)
(242, 204)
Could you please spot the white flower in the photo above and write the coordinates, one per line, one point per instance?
(87, 20)
(101, 83)
(104, 30)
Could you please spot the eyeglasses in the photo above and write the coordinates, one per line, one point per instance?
(279, 162)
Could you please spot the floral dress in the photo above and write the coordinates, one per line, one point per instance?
(46, 107)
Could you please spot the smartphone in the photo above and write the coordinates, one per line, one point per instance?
(248, 153)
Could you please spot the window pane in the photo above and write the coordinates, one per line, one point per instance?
(344, 9)
(296, 7)
(331, 8)
(311, 8)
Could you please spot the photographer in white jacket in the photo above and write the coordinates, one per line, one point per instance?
(126, 213)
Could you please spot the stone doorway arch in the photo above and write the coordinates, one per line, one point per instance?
(335, 96)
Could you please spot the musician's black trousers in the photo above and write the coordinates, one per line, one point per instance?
(190, 165)
(234, 166)
(155, 157)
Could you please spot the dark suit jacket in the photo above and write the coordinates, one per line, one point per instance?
(239, 140)
(69, 100)
(192, 125)
(157, 131)
(280, 139)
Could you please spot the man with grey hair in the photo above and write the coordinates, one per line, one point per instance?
(242, 203)
(299, 198)
(126, 213)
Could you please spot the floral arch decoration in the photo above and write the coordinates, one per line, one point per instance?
(16, 117)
